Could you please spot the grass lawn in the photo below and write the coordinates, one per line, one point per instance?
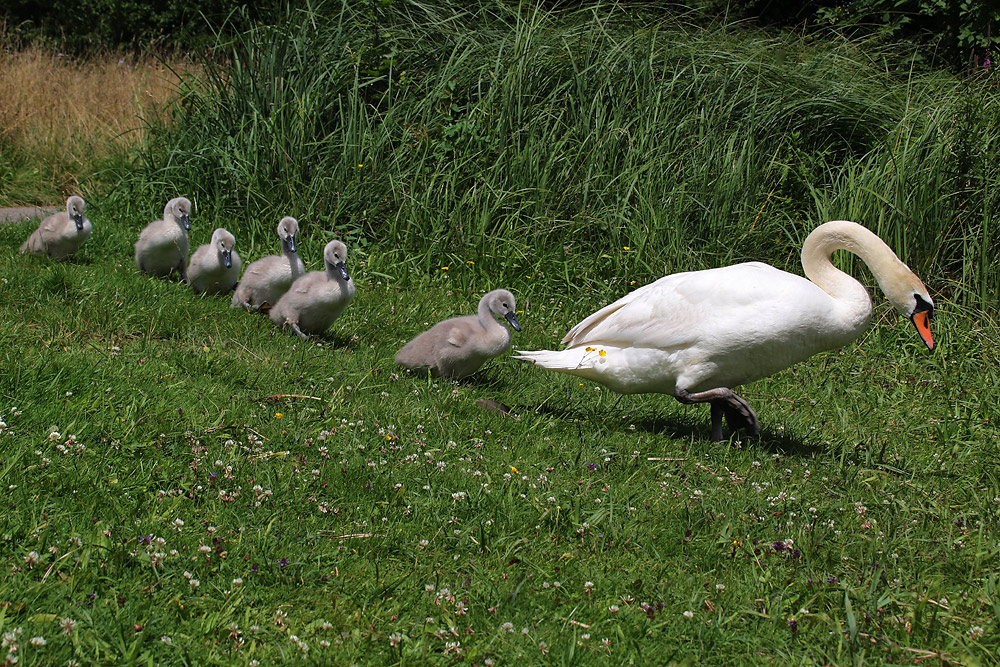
(185, 484)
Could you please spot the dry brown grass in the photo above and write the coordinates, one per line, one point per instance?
(63, 117)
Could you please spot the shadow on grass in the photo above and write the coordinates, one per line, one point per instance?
(481, 379)
(679, 428)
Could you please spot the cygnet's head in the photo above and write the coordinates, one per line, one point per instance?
(74, 209)
(288, 229)
(179, 209)
(224, 242)
(335, 256)
(501, 302)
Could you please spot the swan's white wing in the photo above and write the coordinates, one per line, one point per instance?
(678, 310)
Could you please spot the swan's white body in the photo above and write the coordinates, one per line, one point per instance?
(60, 234)
(458, 347)
(215, 267)
(695, 335)
(317, 299)
(163, 245)
(268, 278)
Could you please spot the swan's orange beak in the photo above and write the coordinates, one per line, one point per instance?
(921, 320)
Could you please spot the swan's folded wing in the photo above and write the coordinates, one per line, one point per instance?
(651, 316)
(52, 224)
(678, 309)
(457, 335)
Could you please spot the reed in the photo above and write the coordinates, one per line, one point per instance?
(580, 134)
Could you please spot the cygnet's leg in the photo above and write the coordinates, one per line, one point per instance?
(723, 401)
(297, 330)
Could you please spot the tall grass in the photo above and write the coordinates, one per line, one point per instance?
(532, 134)
(63, 119)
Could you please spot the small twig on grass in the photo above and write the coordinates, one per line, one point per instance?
(349, 536)
(660, 458)
(248, 351)
(278, 397)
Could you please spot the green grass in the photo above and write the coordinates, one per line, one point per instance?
(385, 518)
(878, 462)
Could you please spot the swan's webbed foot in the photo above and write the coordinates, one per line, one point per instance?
(738, 413)
(297, 330)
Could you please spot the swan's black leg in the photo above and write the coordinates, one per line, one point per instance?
(716, 412)
(723, 401)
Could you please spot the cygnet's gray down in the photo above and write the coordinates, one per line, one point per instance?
(318, 298)
(268, 278)
(163, 245)
(215, 267)
(61, 234)
(458, 347)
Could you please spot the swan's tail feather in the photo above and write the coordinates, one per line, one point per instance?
(564, 361)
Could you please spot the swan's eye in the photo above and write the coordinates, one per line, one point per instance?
(923, 306)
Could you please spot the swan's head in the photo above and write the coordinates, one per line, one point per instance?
(501, 302)
(909, 297)
(180, 210)
(224, 242)
(335, 256)
(74, 208)
(288, 228)
(921, 315)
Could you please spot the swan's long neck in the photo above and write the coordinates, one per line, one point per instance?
(485, 314)
(879, 257)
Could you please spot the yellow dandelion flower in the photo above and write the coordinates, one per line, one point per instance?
(360, 165)
(603, 353)
(388, 437)
(513, 469)
(627, 248)
(469, 262)
(278, 415)
(444, 268)
(632, 283)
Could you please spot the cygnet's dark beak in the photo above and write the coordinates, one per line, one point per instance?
(512, 318)
(78, 219)
(185, 222)
(290, 240)
(227, 258)
(343, 271)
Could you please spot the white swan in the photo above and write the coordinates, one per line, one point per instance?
(695, 335)
(318, 298)
(163, 245)
(61, 234)
(268, 278)
(215, 267)
(458, 347)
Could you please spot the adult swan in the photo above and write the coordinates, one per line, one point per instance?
(695, 335)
